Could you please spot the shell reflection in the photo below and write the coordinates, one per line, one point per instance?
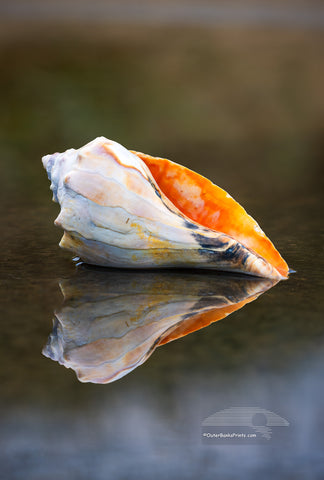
(112, 321)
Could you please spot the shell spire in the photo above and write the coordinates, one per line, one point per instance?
(121, 208)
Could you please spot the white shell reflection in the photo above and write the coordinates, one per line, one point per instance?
(112, 321)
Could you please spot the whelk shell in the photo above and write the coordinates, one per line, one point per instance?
(111, 324)
(122, 208)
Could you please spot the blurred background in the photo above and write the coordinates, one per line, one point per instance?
(233, 90)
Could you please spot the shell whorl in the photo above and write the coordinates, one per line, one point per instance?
(114, 214)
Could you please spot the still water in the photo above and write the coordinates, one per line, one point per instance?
(244, 109)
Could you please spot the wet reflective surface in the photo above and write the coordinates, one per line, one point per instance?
(112, 321)
(246, 110)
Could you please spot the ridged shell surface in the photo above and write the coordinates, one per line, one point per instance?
(114, 213)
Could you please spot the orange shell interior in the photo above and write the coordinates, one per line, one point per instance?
(209, 205)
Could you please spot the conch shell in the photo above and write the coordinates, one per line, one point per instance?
(110, 324)
(126, 209)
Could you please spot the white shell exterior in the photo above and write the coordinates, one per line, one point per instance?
(114, 214)
(110, 324)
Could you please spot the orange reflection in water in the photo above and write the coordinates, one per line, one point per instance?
(111, 321)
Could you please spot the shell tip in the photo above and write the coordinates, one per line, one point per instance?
(48, 162)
